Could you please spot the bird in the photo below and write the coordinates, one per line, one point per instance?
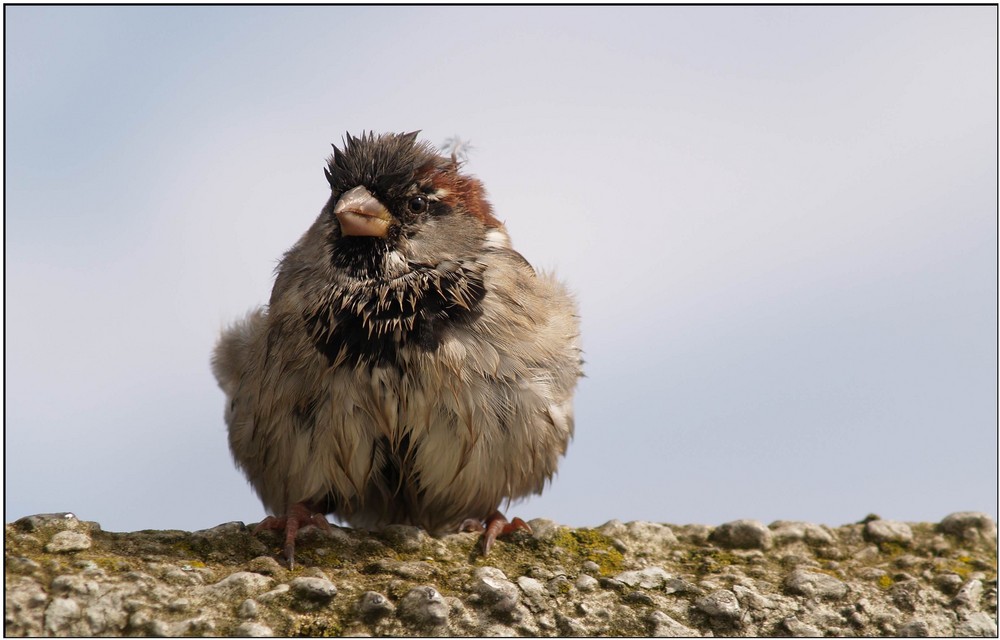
(410, 367)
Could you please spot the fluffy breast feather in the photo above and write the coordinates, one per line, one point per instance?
(443, 430)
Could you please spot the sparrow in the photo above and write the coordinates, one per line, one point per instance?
(410, 366)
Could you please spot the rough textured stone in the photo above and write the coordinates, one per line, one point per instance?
(242, 583)
(374, 605)
(787, 531)
(742, 534)
(646, 538)
(889, 531)
(799, 629)
(424, 606)
(315, 589)
(586, 583)
(495, 590)
(819, 585)
(969, 524)
(620, 579)
(663, 626)
(721, 604)
(68, 541)
(648, 578)
(977, 625)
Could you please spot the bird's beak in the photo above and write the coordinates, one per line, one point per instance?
(361, 214)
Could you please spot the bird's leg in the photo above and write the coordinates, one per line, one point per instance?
(298, 515)
(496, 525)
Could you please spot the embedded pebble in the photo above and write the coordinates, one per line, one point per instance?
(590, 567)
(799, 629)
(742, 534)
(315, 589)
(495, 590)
(819, 585)
(543, 529)
(253, 630)
(785, 531)
(676, 585)
(979, 625)
(751, 599)
(969, 524)
(969, 594)
(611, 583)
(888, 531)
(639, 597)
(423, 605)
(372, 604)
(648, 578)
(68, 541)
(586, 583)
(869, 554)
(914, 629)
(60, 614)
(666, 627)
(720, 604)
(640, 538)
(241, 584)
(530, 586)
(948, 582)
(248, 609)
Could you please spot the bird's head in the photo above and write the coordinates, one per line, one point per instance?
(394, 195)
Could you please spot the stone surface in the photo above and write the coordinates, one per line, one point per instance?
(875, 578)
(819, 585)
(742, 534)
(888, 531)
(68, 541)
(315, 589)
(969, 524)
(648, 578)
(788, 531)
(424, 606)
(721, 604)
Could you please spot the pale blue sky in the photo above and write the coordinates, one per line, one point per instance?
(780, 223)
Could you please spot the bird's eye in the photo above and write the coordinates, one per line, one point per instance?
(417, 204)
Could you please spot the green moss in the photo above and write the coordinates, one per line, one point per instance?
(183, 549)
(892, 549)
(588, 544)
(705, 560)
(964, 566)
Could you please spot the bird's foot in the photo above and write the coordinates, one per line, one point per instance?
(496, 525)
(298, 516)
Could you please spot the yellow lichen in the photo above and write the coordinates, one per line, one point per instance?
(588, 544)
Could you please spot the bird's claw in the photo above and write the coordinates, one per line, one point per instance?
(496, 525)
(297, 517)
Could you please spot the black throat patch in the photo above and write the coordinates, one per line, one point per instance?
(365, 322)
